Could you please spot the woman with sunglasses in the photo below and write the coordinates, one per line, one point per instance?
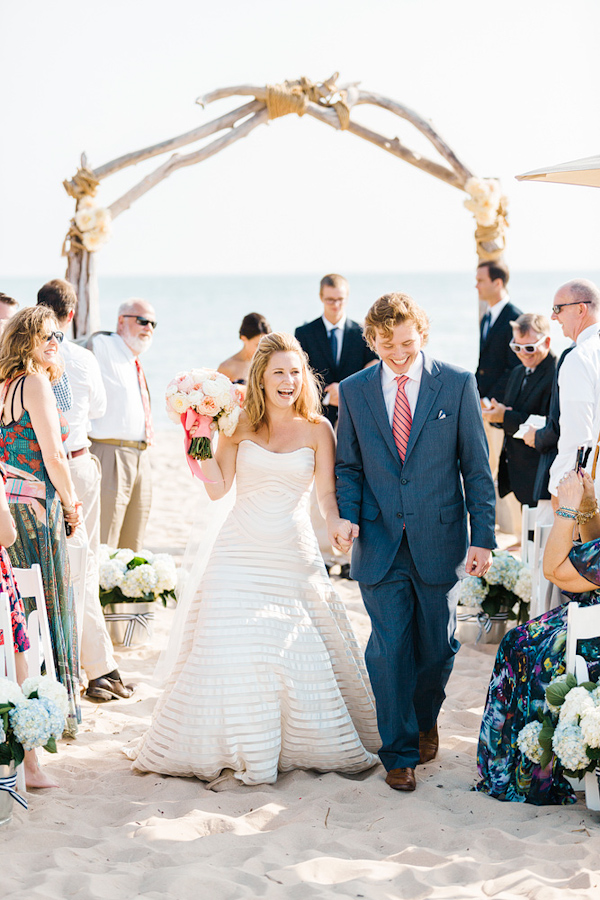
(40, 492)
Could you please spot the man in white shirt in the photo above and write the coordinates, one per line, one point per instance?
(577, 309)
(88, 398)
(121, 437)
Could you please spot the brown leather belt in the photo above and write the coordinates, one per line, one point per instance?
(136, 445)
(73, 454)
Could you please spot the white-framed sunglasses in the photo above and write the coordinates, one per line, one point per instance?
(525, 348)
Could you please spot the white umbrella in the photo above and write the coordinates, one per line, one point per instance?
(580, 171)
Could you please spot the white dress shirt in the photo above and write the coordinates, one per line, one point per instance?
(87, 390)
(340, 334)
(124, 418)
(389, 386)
(495, 310)
(579, 397)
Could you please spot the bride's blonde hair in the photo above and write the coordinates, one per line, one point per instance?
(308, 404)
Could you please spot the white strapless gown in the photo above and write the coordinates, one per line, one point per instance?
(270, 676)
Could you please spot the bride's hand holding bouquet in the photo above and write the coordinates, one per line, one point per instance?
(204, 401)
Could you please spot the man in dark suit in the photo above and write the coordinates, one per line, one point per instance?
(496, 361)
(411, 464)
(527, 393)
(333, 343)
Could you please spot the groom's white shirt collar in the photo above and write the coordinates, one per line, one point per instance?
(389, 385)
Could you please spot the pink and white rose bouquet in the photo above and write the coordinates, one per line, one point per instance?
(203, 396)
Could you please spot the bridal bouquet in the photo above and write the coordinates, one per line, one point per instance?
(32, 715)
(506, 586)
(127, 577)
(203, 396)
(571, 730)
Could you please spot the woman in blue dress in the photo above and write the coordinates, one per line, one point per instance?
(533, 654)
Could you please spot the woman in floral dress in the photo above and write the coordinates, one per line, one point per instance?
(532, 655)
(40, 492)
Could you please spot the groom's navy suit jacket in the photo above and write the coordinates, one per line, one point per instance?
(445, 475)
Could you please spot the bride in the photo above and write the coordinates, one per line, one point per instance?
(269, 675)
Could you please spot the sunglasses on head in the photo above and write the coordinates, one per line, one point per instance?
(57, 335)
(526, 348)
(142, 321)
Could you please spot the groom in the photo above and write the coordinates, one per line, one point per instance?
(412, 461)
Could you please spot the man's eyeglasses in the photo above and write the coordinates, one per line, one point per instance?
(57, 335)
(557, 308)
(142, 321)
(526, 348)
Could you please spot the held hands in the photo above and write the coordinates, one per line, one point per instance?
(479, 560)
(342, 534)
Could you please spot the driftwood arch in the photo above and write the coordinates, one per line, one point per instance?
(325, 101)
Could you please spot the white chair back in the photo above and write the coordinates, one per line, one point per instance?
(78, 560)
(7, 662)
(7, 656)
(540, 594)
(583, 622)
(30, 584)
(528, 518)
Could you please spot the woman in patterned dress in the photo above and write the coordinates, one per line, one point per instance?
(532, 655)
(40, 492)
(34, 776)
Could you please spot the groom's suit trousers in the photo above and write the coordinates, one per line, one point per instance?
(409, 656)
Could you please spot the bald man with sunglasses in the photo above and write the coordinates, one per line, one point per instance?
(121, 438)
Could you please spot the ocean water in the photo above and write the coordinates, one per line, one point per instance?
(199, 317)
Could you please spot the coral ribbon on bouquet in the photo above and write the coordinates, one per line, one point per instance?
(188, 418)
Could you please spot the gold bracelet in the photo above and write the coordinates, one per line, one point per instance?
(585, 517)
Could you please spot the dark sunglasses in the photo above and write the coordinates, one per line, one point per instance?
(556, 309)
(142, 321)
(57, 335)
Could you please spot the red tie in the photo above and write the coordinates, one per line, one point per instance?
(145, 402)
(402, 417)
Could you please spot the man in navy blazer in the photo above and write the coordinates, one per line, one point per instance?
(407, 487)
(333, 343)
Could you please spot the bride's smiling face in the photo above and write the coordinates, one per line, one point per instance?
(282, 379)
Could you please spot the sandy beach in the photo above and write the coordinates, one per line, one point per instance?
(107, 833)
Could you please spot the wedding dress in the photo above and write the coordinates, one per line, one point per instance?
(269, 675)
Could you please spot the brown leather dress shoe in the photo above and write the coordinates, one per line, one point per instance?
(108, 688)
(429, 742)
(401, 779)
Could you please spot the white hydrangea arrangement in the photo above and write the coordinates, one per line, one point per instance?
(127, 577)
(507, 585)
(570, 730)
(32, 715)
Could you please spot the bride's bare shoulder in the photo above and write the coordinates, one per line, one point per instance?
(244, 428)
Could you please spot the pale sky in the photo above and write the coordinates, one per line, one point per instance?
(511, 86)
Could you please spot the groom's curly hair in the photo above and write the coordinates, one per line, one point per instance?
(391, 310)
(308, 404)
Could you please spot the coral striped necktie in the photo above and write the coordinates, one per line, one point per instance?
(402, 420)
(145, 401)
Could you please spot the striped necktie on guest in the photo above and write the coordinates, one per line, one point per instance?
(402, 421)
(145, 401)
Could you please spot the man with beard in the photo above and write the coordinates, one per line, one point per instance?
(120, 439)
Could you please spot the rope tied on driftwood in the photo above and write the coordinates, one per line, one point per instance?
(491, 239)
(83, 184)
(294, 97)
(74, 238)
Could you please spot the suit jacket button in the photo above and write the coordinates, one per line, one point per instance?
(403, 481)
(399, 515)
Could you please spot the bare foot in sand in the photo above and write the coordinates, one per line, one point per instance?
(35, 776)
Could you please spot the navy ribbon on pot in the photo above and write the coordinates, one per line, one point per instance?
(484, 620)
(9, 784)
(132, 619)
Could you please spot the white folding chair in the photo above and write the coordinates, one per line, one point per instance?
(78, 560)
(528, 519)
(7, 662)
(583, 622)
(540, 595)
(30, 584)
